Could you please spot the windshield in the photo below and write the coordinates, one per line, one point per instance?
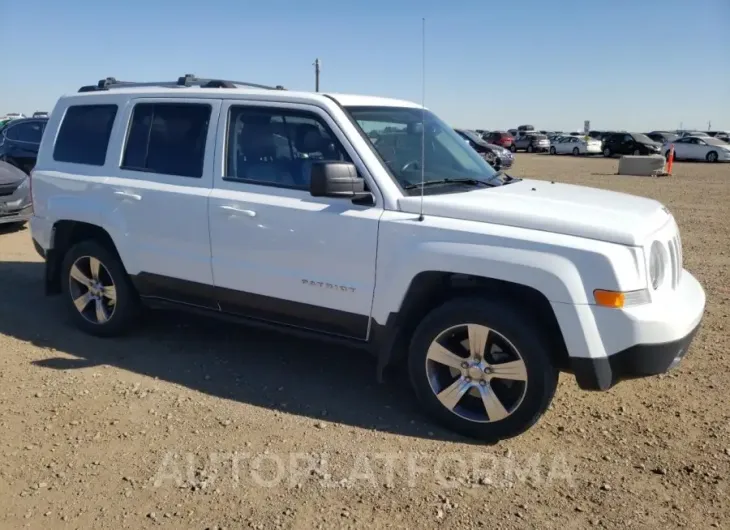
(396, 134)
(714, 141)
(642, 138)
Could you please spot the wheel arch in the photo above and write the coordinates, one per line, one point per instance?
(66, 234)
(430, 289)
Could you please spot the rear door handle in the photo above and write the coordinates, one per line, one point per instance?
(235, 209)
(128, 195)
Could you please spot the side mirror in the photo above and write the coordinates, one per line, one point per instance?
(336, 179)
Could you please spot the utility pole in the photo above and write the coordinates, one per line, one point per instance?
(316, 75)
(709, 125)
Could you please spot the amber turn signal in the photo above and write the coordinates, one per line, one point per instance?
(611, 299)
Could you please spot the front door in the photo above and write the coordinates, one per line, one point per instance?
(279, 254)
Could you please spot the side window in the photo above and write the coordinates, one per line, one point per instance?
(84, 134)
(277, 147)
(167, 138)
(628, 138)
(30, 132)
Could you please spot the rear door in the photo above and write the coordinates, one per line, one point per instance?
(159, 194)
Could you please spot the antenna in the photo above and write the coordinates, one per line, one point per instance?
(423, 113)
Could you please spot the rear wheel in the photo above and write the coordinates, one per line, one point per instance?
(712, 156)
(97, 290)
(607, 152)
(553, 151)
(637, 152)
(530, 149)
(513, 148)
(480, 368)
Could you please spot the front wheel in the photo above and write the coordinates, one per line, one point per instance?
(576, 151)
(481, 369)
(712, 156)
(607, 152)
(530, 149)
(97, 290)
(637, 152)
(513, 148)
(553, 151)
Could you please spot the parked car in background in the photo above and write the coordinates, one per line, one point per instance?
(497, 156)
(40, 114)
(699, 148)
(531, 142)
(20, 140)
(682, 134)
(501, 138)
(13, 116)
(662, 137)
(525, 128)
(15, 203)
(513, 132)
(575, 145)
(722, 135)
(623, 143)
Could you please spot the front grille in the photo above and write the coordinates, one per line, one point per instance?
(8, 189)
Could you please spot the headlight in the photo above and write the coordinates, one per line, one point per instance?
(25, 184)
(657, 264)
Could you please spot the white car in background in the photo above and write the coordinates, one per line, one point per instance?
(575, 145)
(13, 116)
(699, 148)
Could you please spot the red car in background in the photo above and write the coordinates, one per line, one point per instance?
(500, 138)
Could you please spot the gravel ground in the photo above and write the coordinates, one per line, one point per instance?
(199, 424)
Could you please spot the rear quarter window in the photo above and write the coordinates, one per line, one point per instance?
(83, 137)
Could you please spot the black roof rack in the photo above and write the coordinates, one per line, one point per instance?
(187, 80)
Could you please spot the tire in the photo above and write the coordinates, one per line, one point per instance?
(508, 330)
(553, 151)
(576, 151)
(530, 149)
(712, 156)
(637, 152)
(607, 152)
(513, 148)
(120, 313)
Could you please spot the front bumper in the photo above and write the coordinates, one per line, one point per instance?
(15, 215)
(642, 341)
(642, 360)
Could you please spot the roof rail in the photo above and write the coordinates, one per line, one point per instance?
(187, 80)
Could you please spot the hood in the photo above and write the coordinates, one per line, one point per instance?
(561, 208)
(10, 174)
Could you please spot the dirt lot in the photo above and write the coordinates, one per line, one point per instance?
(275, 433)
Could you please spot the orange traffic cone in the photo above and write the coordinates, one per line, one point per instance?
(670, 160)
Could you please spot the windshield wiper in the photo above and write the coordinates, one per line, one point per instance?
(473, 182)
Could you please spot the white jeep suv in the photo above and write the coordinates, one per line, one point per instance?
(365, 220)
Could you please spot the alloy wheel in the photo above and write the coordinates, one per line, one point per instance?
(476, 373)
(92, 290)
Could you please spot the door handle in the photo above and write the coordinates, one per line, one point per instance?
(128, 195)
(248, 213)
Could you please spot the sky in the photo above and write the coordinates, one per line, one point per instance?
(489, 64)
